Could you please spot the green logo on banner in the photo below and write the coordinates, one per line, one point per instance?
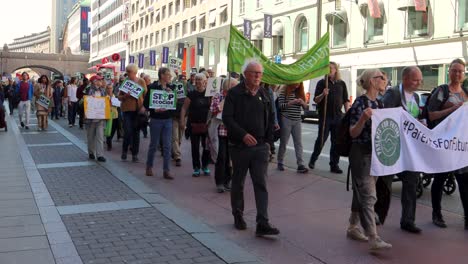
(387, 142)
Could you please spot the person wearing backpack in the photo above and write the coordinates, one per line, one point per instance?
(330, 98)
(445, 100)
(403, 95)
(364, 184)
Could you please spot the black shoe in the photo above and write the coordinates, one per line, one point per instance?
(266, 230)
(239, 223)
(91, 156)
(302, 169)
(466, 224)
(22, 124)
(101, 159)
(227, 187)
(280, 167)
(336, 170)
(123, 156)
(26, 127)
(438, 220)
(311, 165)
(135, 159)
(178, 163)
(412, 228)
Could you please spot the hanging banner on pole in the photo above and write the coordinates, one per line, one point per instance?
(165, 54)
(200, 46)
(313, 64)
(141, 60)
(402, 143)
(267, 26)
(180, 50)
(122, 64)
(152, 57)
(247, 29)
(131, 59)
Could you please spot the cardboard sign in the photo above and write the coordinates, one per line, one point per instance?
(133, 88)
(213, 86)
(180, 90)
(160, 99)
(97, 107)
(175, 63)
(115, 101)
(43, 101)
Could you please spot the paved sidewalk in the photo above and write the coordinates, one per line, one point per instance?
(59, 207)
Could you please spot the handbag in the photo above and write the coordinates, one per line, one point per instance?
(199, 128)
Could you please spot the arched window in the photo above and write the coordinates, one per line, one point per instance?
(302, 35)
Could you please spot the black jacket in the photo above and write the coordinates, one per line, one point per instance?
(242, 115)
(392, 97)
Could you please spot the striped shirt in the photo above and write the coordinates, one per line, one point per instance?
(291, 112)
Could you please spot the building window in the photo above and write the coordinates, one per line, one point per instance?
(241, 7)
(136, 25)
(141, 43)
(151, 39)
(157, 37)
(417, 22)
(163, 15)
(146, 21)
(259, 4)
(177, 30)
(158, 17)
(277, 44)
(211, 53)
(258, 43)
(146, 41)
(184, 27)
(212, 18)
(152, 19)
(169, 10)
(169, 33)
(177, 6)
(187, 4)
(202, 22)
(339, 33)
(462, 15)
(194, 2)
(193, 24)
(163, 35)
(375, 26)
(302, 35)
(223, 16)
(136, 44)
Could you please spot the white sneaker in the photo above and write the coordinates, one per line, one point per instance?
(355, 233)
(377, 243)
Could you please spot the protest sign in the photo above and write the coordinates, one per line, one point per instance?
(115, 102)
(402, 143)
(132, 88)
(160, 99)
(213, 86)
(175, 63)
(97, 107)
(180, 90)
(43, 101)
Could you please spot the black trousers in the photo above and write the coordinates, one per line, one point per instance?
(437, 191)
(195, 141)
(131, 133)
(223, 163)
(409, 181)
(253, 160)
(331, 128)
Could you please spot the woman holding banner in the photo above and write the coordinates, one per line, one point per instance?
(130, 106)
(364, 184)
(43, 93)
(198, 106)
(445, 100)
(161, 122)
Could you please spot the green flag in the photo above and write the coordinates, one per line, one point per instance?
(313, 64)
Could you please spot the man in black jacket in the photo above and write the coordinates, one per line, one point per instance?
(249, 120)
(404, 95)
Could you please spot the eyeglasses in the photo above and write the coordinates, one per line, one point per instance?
(256, 72)
(380, 76)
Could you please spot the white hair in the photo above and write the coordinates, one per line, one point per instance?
(250, 62)
(200, 75)
(146, 76)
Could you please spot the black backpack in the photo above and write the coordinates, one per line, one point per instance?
(343, 139)
(425, 112)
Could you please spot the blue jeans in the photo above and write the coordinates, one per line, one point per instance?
(160, 128)
(131, 133)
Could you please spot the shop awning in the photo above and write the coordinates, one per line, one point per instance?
(405, 4)
(336, 16)
(257, 33)
(364, 7)
(278, 29)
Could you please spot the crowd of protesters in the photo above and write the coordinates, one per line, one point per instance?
(236, 127)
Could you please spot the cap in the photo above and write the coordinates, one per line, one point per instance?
(95, 78)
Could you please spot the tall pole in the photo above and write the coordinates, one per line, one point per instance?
(325, 103)
(319, 20)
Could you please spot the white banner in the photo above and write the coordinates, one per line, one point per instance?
(402, 143)
(213, 86)
(175, 63)
(180, 90)
(43, 101)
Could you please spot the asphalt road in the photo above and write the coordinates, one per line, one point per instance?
(322, 168)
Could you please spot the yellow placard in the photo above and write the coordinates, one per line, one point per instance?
(97, 107)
